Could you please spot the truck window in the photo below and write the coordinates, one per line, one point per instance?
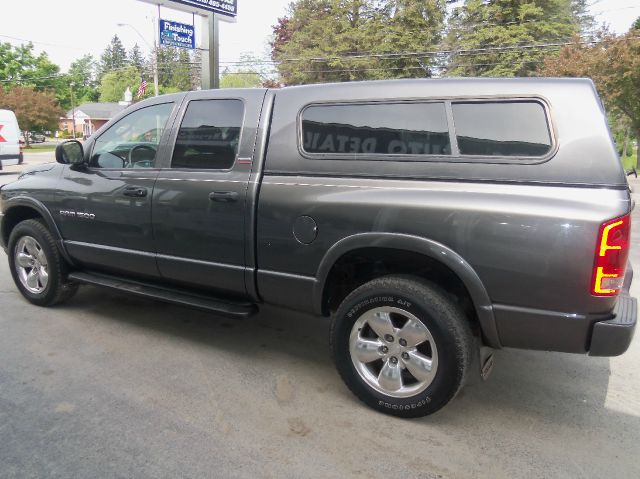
(514, 128)
(209, 135)
(350, 130)
(132, 142)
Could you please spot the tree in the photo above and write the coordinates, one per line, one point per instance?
(230, 79)
(510, 37)
(82, 78)
(409, 26)
(114, 84)
(249, 72)
(174, 69)
(136, 58)
(34, 109)
(613, 63)
(114, 56)
(181, 71)
(343, 40)
(20, 64)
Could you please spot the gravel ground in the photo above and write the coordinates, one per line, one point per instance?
(111, 386)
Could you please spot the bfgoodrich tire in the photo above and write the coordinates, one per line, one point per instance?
(401, 346)
(37, 268)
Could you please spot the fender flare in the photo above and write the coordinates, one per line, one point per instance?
(43, 211)
(437, 251)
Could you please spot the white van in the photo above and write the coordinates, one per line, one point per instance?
(10, 153)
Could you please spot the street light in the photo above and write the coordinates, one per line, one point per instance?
(155, 52)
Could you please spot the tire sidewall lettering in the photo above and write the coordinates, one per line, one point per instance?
(423, 402)
(376, 300)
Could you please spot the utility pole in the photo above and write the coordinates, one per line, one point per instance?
(211, 55)
(73, 110)
(154, 49)
(156, 25)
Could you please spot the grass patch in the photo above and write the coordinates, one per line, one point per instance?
(628, 162)
(39, 148)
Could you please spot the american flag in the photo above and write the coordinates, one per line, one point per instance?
(142, 89)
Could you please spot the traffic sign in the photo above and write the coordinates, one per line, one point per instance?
(176, 34)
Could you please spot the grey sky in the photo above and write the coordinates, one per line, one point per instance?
(68, 29)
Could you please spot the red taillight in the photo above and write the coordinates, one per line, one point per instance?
(612, 252)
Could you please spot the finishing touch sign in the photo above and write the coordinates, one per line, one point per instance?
(176, 34)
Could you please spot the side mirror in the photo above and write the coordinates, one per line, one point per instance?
(633, 172)
(70, 153)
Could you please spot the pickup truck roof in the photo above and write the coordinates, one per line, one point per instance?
(587, 158)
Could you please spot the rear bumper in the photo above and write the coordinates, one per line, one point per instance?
(12, 159)
(613, 336)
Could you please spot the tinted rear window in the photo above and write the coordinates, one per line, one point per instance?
(376, 129)
(209, 135)
(502, 128)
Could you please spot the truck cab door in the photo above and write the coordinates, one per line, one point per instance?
(103, 209)
(199, 203)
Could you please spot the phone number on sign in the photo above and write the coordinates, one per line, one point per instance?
(229, 6)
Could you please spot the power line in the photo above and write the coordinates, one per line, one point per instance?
(40, 43)
(430, 53)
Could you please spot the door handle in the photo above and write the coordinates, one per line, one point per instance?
(135, 192)
(223, 196)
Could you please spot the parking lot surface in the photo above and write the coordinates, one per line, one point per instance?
(113, 386)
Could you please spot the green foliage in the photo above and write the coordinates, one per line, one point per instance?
(343, 40)
(629, 162)
(408, 26)
(174, 68)
(35, 110)
(614, 65)
(136, 58)
(114, 56)
(240, 80)
(496, 25)
(21, 65)
(114, 84)
(250, 72)
(82, 78)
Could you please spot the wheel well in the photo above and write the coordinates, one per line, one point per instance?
(362, 265)
(14, 216)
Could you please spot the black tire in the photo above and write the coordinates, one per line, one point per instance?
(58, 289)
(447, 324)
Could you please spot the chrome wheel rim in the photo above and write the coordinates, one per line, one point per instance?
(393, 352)
(31, 265)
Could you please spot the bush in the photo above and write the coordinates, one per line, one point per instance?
(629, 162)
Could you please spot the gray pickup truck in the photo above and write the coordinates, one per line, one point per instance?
(432, 220)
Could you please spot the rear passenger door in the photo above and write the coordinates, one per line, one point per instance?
(199, 201)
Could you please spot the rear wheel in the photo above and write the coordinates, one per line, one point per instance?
(401, 345)
(38, 269)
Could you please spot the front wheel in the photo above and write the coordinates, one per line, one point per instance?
(401, 345)
(38, 269)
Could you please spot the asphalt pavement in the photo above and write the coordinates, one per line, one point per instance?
(113, 386)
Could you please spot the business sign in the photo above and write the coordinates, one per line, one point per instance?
(226, 9)
(174, 34)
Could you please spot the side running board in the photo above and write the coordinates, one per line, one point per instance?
(237, 310)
